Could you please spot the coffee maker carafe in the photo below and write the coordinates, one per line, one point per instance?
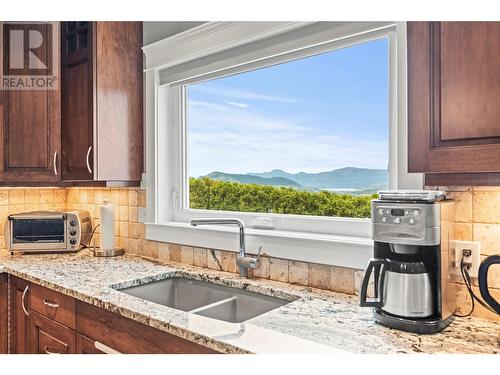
(412, 288)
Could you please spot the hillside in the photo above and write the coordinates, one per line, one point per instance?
(251, 179)
(348, 177)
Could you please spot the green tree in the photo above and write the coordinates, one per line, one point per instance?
(208, 194)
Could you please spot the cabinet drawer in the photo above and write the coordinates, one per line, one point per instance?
(48, 337)
(53, 305)
(128, 336)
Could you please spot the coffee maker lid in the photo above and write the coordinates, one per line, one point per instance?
(405, 267)
(412, 195)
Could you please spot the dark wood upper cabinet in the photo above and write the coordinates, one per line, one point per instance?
(102, 118)
(30, 118)
(454, 101)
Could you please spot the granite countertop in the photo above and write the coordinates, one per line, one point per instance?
(315, 321)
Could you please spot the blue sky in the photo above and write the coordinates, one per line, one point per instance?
(314, 114)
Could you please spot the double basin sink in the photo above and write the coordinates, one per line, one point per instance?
(206, 299)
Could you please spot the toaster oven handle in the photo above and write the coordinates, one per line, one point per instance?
(378, 278)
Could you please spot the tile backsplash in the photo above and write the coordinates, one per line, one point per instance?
(477, 218)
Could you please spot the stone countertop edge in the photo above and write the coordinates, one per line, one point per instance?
(315, 321)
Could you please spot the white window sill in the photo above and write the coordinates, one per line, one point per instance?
(336, 250)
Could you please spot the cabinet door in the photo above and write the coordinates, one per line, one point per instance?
(77, 101)
(454, 97)
(3, 313)
(19, 307)
(30, 121)
(48, 337)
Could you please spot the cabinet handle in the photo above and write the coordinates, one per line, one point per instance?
(47, 351)
(53, 305)
(88, 160)
(55, 163)
(23, 300)
(105, 349)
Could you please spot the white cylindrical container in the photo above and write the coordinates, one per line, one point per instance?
(107, 212)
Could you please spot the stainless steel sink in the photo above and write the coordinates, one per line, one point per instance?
(206, 299)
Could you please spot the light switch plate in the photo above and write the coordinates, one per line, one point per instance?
(475, 248)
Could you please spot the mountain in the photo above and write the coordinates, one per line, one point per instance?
(349, 177)
(251, 179)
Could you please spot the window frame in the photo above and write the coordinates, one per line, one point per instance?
(331, 240)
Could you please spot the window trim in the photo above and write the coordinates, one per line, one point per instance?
(326, 238)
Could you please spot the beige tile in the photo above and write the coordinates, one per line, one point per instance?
(72, 195)
(163, 251)
(4, 196)
(187, 255)
(342, 280)
(319, 276)
(175, 253)
(106, 195)
(141, 198)
(123, 213)
(90, 196)
(83, 196)
(486, 206)
(464, 303)
(463, 206)
(136, 230)
(298, 273)
(132, 197)
(228, 261)
(489, 237)
(359, 275)
(115, 196)
(278, 269)
(132, 246)
(123, 201)
(4, 212)
(132, 214)
(263, 271)
(124, 229)
(152, 250)
(16, 196)
(200, 257)
(493, 275)
(463, 231)
(32, 196)
(214, 259)
(58, 195)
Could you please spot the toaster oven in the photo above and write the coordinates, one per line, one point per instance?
(45, 231)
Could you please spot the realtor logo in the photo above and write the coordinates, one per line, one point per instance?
(30, 58)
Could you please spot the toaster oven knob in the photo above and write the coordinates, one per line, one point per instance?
(72, 223)
(72, 232)
(72, 242)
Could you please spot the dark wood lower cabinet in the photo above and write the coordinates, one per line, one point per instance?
(84, 345)
(128, 336)
(19, 297)
(48, 337)
(43, 321)
(4, 324)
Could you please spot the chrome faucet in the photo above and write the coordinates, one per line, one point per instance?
(243, 261)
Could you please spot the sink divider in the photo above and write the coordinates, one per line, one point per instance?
(214, 304)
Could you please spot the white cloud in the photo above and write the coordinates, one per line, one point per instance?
(239, 140)
(238, 105)
(240, 94)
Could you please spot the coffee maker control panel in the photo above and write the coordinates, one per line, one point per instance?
(406, 222)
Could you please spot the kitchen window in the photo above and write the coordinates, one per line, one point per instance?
(292, 132)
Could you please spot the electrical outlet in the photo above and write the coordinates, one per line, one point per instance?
(462, 248)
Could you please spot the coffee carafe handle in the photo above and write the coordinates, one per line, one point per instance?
(378, 301)
(483, 281)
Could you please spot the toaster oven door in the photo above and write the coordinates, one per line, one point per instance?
(37, 234)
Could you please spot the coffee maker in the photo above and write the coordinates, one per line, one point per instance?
(412, 261)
